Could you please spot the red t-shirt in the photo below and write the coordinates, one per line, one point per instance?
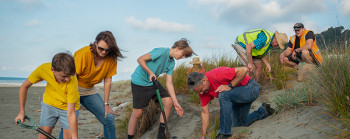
(220, 76)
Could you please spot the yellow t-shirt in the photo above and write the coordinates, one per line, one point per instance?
(89, 75)
(56, 94)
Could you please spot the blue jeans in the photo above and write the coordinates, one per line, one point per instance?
(235, 105)
(95, 105)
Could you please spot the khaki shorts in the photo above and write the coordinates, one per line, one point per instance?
(242, 54)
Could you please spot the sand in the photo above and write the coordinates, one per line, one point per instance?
(296, 123)
(89, 127)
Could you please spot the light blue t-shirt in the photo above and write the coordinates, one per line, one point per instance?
(160, 63)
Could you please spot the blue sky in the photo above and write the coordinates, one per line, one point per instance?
(33, 31)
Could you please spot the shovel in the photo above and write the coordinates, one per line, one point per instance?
(161, 106)
(34, 127)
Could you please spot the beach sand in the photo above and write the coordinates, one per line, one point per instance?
(295, 123)
(88, 125)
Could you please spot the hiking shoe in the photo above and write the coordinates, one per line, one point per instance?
(222, 136)
(268, 108)
(161, 135)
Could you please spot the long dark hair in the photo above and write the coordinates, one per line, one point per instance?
(108, 37)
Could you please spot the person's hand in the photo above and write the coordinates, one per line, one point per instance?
(20, 116)
(222, 88)
(108, 110)
(250, 67)
(152, 75)
(178, 109)
(281, 59)
(268, 68)
(294, 56)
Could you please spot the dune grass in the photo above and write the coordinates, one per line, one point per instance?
(292, 98)
(280, 75)
(333, 83)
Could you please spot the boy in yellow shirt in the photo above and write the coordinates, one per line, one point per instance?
(61, 96)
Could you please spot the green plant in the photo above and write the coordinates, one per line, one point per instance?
(333, 83)
(195, 98)
(214, 130)
(220, 60)
(291, 99)
(280, 75)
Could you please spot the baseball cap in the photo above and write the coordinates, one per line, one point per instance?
(193, 79)
(298, 26)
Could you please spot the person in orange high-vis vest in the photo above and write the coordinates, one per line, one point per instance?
(301, 48)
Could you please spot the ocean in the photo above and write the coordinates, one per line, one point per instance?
(15, 81)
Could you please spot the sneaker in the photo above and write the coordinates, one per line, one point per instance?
(222, 136)
(161, 135)
(268, 108)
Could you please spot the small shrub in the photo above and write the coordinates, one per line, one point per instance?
(291, 99)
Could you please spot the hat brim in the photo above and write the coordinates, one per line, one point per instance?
(280, 37)
(297, 28)
(198, 62)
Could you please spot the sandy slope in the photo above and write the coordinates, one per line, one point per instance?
(295, 123)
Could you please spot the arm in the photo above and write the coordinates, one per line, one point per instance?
(285, 53)
(170, 87)
(241, 72)
(22, 99)
(72, 120)
(205, 120)
(268, 66)
(308, 45)
(107, 89)
(142, 61)
(249, 49)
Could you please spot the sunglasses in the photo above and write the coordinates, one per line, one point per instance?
(103, 49)
(191, 83)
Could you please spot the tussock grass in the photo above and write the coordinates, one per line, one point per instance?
(292, 98)
(333, 83)
(214, 130)
(280, 75)
(220, 60)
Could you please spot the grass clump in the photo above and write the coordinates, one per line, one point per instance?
(333, 83)
(280, 75)
(291, 99)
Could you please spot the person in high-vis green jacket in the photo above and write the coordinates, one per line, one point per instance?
(253, 45)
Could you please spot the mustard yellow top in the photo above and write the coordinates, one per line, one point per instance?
(88, 75)
(56, 94)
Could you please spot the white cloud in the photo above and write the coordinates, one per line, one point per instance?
(4, 68)
(159, 25)
(345, 7)
(33, 22)
(30, 2)
(29, 68)
(127, 70)
(287, 27)
(257, 13)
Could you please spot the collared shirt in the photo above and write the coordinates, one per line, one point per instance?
(220, 76)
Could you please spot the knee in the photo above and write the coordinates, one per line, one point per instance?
(305, 52)
(110, 118)
(136, 114)
(167, 102)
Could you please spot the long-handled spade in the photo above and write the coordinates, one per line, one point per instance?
(34, 127)
(161, 106)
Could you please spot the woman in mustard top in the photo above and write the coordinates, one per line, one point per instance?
(95, 63)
